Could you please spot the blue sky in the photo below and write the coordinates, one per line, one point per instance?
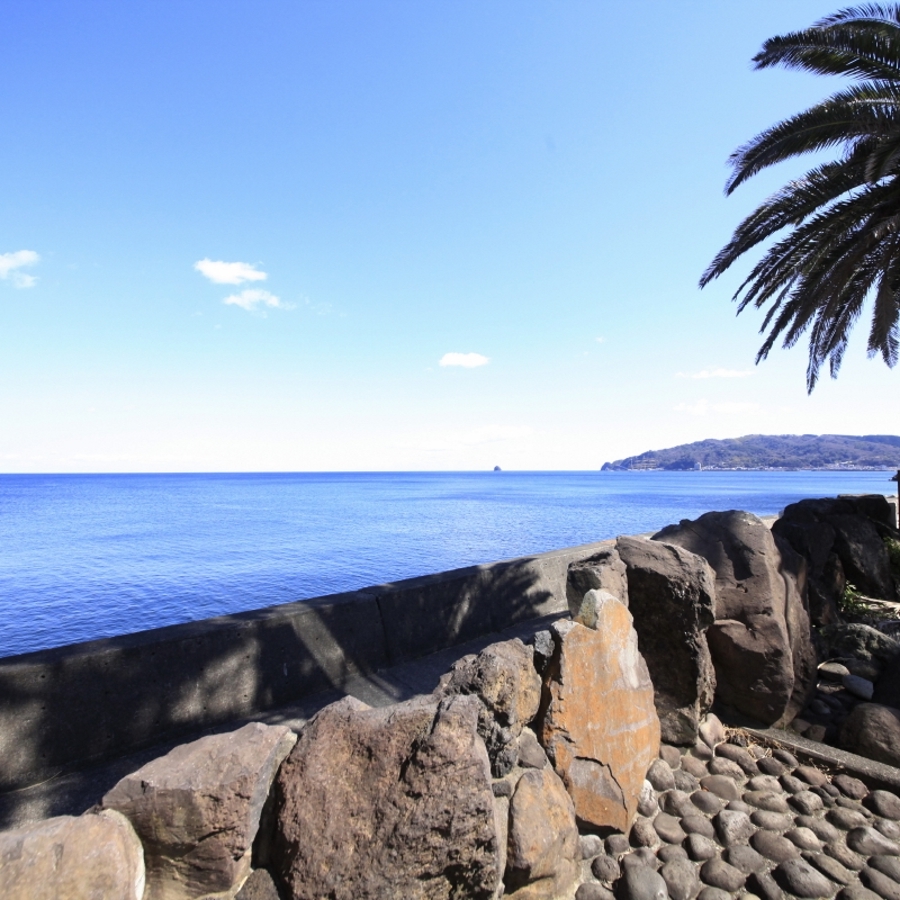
(526, 190)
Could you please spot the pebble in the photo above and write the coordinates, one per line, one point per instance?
(816, 733)
(669, 828)
(888, 828)
(844, 855)
(833, 670)
(773, 847)
(700, 847)
(740, 756)
(681, 879)
(859, 686)
(765, 886)
(617, 844)
(707, 802)
(694, 824)
(822, 829)
(660, 775)
(847, 803)
(591, 891)
(733, 827)
(642, 883)
(868, 841)
(643, 834)
(648, 801)
(718, 873)
(671, 755)
(857, 892)
(768, 765)
(767, 800)
(590, 846)
(712, 731)
(721, 786)
(684, 781)
(765, 783)
(722, 766)
(671, 852)
(739, 806)
(772, 821)
(846, 818)
(643, 856)
(711, 893)
(803, 838)
(806, 802)
(884, 804)
(876, 881)
(694, 766)
(745, 858)
(802, 880)
(793, 785)
(889, 865)
(675, 803)
(605, 868)
(701, 751)
(830, 867)
(786, 757)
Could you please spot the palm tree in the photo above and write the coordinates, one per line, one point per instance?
(843, 243)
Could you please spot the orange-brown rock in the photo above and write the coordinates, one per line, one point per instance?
(599, 724)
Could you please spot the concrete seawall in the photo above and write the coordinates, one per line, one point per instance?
(72, 705)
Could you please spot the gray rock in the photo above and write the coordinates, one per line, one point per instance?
(642, 883)
(591, 891)
(718, 873)
(785, 757)
(806, 802)
(859, 687)
(605, 869)
(771, 821)
(844, 855)
(603, 571)
(767, 800)
(694, 766)
(884, 804)
(733, 828)
(824, 831)
(713, 893)
(741, 757)
(811, 775)
(660, 775)
(669, 828)
(672, 596)
(834, 671)
(888, 828)
(857, 892)
(761, 641)
(670, 852)
(686, 782)
(868, 842)
(648, 802)
(695, 824)
(531, 753)
(768, 765)
(712, 731)
(700, 847)
(259, 886)
(589, 846)
(197, 808)
(793, 785)
(721, 766)
(764, 886)
(802, 880)
(876, 881)
(681, 880)
(887, 865)
(643, 834)
(671, 754)
(856, 641)
(774, 847)
(617, 844)
(642, 856)
(72, 858)
(707, 802)
(804, 839)
(829, 867)
(765, 783)
(846, 818)
(676, 803)
(850, 787)
(739, 806)
(745, 858)
(722, 786)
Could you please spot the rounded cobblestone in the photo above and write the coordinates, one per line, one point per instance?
(681, 879)
(804, 838)
(888, 865)
(745, 858)
(844, 855)
(660, 775)
(831, 868)
(591, 891)
(670, 852)
(771, 821)
(718, 873)
(676, 803)
(845, 819)
(767, 800)
(707, 802)
(877, 881)
(642, 883)
(669, 828)
(721, 786)
(806, 802)
(700, 848)
(802, 880)
(606, 869)
(821, 828)
(773, 847)
(868, 841)
(697, 824)
(884, 804)
(768, 765)
(765, 783)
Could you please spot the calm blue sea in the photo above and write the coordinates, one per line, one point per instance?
(88, 556)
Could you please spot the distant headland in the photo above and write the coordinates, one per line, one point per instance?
(772, 451)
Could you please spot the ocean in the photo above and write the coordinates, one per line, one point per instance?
(90, 556)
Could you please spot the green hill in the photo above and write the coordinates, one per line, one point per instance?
(773, 451)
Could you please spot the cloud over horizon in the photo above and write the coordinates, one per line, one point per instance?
(221, 272)
(465, 360)
(252, 299)
(11, 262)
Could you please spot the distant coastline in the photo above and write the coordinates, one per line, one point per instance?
(771, 453)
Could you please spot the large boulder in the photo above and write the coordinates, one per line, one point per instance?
(598, 722)
(603, 571)
(761, 641)
(842, 540)
(873, 731)
(543, 849)
(392, 802)
(504, 679)
(197, 809)
(72, 858)
(672, 599)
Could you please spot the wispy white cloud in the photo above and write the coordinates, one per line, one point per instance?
(10, 263)
(717, 373)
(466, 360)
(705, 408)
(253, 299)
(600, 340)
(220, 272)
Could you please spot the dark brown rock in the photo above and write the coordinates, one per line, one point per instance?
(873, 731)
(197, 809)
(407, 787)
(604, 571)
(760, 642)
(671, 596)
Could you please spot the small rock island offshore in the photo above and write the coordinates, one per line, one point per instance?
(771, 451)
